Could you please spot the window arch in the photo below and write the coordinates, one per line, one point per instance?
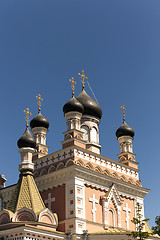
(111, 217)
(94, 135)
(85, 130)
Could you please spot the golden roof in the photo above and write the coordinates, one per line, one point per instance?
(147, 228)
(112, 230)
(118, 231)
(26, 195)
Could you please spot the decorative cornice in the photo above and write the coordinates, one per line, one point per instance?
(31, 230)
(91, 178)
(85, 154)
(112, 191)
(72, 130)
(94, 179)
(73, 138)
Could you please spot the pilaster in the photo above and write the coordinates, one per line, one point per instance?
(75, 205)
(39, 134)
(89, 126)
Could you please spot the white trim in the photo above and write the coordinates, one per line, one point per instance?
(114, 220)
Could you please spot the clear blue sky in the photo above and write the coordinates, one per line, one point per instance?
(116, 42)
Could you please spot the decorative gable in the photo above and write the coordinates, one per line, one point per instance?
(113, 193)
(111, 203)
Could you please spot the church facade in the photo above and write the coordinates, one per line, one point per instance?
(74, 192)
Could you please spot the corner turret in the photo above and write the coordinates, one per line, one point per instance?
(26, 145)
(73, 111)
(39, 127)
(125, 135)
(26, 203)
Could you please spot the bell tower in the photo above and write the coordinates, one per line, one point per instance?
(125, 135)
(39, 127)
(73, 111)
(90, 119)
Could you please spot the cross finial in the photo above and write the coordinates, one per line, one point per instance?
(83, 78)
(123, 113)
(39, 102)
(28, 113)
(73, 85)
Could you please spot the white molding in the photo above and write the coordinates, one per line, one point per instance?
(91, 157)
(112, 194)
(20, 211)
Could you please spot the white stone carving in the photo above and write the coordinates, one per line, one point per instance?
(127, 210)
(49, 201)
(114, 196)
(94, 201)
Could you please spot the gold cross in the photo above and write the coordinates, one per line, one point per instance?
(39, 101)
(72, 86)
(28, 113)
(83, 78)
(123, 112)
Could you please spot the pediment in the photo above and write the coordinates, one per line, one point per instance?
(113, 194)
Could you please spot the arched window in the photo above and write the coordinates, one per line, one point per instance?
(85, 131)
(111, 217)
(94, 134)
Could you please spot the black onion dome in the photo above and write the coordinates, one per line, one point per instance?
(73, 105)
(39, 121)
(91, 107)
(124, 130)
(27, 140)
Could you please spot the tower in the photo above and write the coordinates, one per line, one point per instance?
(73, 111)
(90, 119)
(39, 127)
(26, 209)
(125, 135)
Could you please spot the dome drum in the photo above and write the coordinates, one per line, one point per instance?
(39, 130)
(125, 139)
(71, 115)
(88, 118)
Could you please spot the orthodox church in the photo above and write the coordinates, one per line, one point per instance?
(74, 192)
